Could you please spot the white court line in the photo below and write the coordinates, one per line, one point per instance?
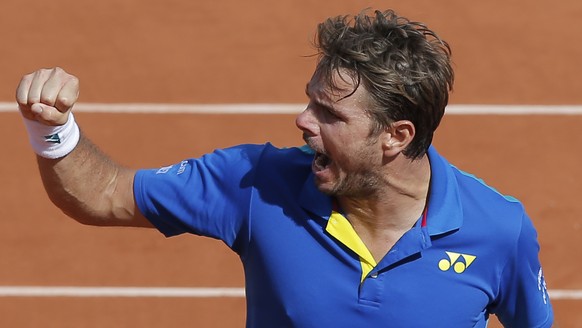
(168, 292)
(297, 108)
(42, 291)
(565, 294)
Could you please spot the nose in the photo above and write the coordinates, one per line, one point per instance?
(306, 121)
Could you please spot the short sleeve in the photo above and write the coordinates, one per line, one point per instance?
(207, 196)
(523, 299)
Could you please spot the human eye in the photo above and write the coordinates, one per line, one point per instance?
(329, 114)
(322, 108)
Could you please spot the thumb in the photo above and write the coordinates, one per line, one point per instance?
(49, 115)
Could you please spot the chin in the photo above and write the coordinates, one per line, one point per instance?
(325, 188)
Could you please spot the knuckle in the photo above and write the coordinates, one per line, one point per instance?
(61, 73)
(48, 99)
(33, 99)
(65, 102)
(72, 81)
(41, 72)
(28, 77)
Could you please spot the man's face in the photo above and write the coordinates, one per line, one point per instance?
(337, 128)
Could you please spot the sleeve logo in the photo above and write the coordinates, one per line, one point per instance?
(164, 170)
(459, 262)
(542, 287)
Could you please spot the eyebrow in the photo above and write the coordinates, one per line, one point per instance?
(318, 101)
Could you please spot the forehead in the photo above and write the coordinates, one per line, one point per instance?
(337, 88)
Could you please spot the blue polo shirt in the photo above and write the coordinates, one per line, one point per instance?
(475, 253)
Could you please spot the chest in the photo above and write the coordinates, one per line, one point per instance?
(295, 269)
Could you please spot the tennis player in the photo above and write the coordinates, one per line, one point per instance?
(366, 225)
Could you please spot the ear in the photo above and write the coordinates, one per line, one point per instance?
(397, 137)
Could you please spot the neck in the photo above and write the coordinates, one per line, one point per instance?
(397, 203)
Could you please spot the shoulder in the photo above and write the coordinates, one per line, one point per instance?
(462, 199)
(267, 152)
(285, 164)
(260, 163)
(481, 210)
(250, 156)
(484, 198)
(496, 215)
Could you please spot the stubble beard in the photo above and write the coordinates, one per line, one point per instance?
(361, 183)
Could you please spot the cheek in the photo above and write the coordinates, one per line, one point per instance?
(363, 155)
(349, 146)
(348, 156)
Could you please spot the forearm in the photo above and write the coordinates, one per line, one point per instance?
(90, 187)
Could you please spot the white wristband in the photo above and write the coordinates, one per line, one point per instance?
(53, 141)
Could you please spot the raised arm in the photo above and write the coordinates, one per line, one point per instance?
(79, 179)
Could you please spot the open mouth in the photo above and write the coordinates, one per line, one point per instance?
(320, 162)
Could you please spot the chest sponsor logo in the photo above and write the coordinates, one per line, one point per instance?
(457, 261)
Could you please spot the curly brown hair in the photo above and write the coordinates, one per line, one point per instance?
(405, 67)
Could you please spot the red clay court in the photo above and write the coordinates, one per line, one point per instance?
(231, 52)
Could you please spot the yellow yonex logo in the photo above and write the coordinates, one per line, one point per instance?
(459, 262)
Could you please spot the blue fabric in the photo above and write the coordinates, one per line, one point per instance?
(477, 255)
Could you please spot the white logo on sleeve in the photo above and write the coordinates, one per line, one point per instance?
(164, 170)
(182, 168)
(542, 285)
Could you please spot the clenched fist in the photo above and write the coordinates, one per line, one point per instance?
(47, 95)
